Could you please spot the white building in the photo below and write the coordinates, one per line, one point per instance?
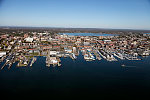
(53, 52)
(86, 43)
(74, 49)
(2, 53)
(28, 39)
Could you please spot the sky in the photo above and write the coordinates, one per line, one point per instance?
(117, 14)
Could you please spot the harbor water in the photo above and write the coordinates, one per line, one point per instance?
(88, 34)
(78, 78)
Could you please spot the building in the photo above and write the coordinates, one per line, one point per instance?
(28, 39)
(2, 53)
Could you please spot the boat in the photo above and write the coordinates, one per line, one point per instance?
(123, 65)
(73, 56)
(87, 57)
(111, 58)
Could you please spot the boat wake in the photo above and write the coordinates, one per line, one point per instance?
(128, 66)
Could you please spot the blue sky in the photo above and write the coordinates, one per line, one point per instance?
(121, 14)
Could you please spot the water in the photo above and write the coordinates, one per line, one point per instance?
(87, 34)
(78, 78)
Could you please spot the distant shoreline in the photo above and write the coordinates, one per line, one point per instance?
(74, 30)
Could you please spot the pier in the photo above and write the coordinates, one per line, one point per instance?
(33, 60)
(4, 64)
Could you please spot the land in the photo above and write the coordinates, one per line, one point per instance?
(17, 30)
(23, 45)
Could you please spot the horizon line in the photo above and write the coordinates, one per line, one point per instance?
(75, 27)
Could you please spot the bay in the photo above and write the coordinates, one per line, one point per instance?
(78, 78)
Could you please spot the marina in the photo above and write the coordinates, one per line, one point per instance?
(92, 46)
(54, 59)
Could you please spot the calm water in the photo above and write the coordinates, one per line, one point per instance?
(78, 78)
(87, 34)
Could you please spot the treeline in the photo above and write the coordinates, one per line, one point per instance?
(29, 30)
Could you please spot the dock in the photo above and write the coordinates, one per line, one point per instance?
(4, 64)
(33, 60)
(97, 55)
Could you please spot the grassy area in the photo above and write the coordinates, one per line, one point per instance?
(32, 55)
